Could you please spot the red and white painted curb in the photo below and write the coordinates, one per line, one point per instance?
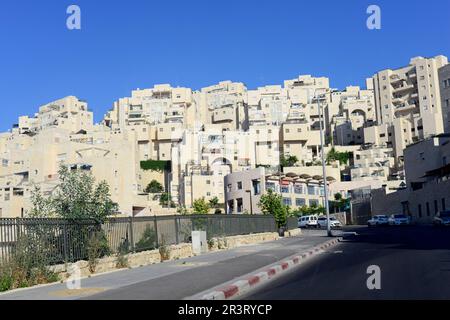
(244, 285)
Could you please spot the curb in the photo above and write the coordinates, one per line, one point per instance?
(242, 286)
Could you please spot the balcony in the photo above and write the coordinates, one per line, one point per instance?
(404, 88)
(405, 108)
(398, 100)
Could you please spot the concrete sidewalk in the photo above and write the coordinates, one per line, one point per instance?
(175, 280)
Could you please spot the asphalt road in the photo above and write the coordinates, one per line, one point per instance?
(414, 264)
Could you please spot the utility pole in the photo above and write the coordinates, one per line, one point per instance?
(325, 185)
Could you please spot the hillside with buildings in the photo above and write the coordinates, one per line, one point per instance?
(229, 142)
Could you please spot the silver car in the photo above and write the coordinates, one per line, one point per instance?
(378, 220)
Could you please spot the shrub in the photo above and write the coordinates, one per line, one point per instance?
(164, 250)
(148, 240)
(27, 266)
(97, 247)
(122, 259)
(201, 206)
(154, 187)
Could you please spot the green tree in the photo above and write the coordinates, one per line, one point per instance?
(334, 155)
(213, 203)
(288, 161)
(271, 203)
(308, 211)
(165, 199)
(201, 206)
(154, 187)
(75, 197)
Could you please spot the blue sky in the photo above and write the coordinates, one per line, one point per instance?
(131, 44)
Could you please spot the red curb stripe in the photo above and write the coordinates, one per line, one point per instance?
(253, 280)
(271, 272)
(284, 265)
(230, 291)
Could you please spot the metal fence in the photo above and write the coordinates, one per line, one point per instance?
(292, 223)
(67, 240)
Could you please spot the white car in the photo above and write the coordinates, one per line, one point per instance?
(307, 222)
(442, 219)
(334, 223)
(378, 220)
(399, 220)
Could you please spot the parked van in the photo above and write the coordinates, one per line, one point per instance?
(307, 222)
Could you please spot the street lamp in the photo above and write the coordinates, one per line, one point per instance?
(325, 185)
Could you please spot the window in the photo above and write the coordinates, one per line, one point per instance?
(436, 209)
(311, 190)
(313, 203)
(287, 201)
(239, 205)
(285, 189)
(443, 204)
(239, 185)
(229, 188)
(256, 185)
(208, 181)
(298, 189)
(300, 202)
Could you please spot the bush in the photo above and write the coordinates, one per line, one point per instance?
(154, 187)
(148, 240)
(97, 247)
(164, 250)
(122, 259)
(27, 266)
(201, 206)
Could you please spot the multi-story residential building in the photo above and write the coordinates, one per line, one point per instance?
(372, 163)
(32, 158)
(444, 82)
(69, 113)
(427, 173)
(243, 190)
(350, 111)
(408, 105)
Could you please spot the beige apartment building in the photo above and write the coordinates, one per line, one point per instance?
(427, 182)
(350, 111)
(32, 156)
(243, 190)
(227, 129)
(372, 163)
(408, 105)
